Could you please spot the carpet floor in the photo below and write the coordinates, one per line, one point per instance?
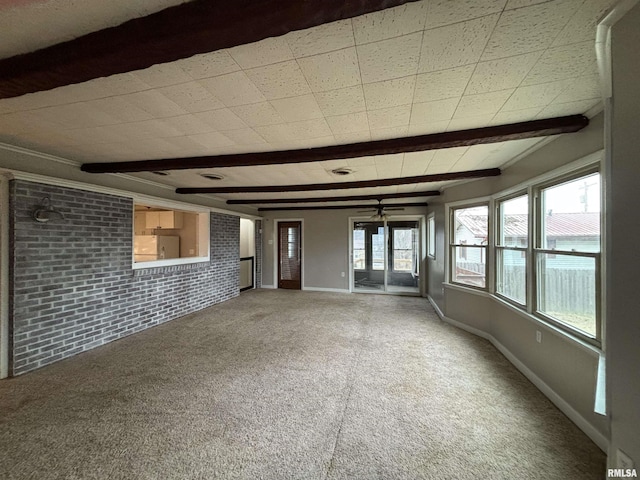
(290, 385)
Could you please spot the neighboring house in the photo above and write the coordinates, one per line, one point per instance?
(564, 232)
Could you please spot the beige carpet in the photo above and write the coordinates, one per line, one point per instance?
(290, 385)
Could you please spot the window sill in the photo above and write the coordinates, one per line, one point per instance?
(169, 262)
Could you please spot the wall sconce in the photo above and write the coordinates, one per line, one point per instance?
(45, 211)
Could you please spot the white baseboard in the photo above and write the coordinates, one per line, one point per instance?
(598, 438)
(267, 286)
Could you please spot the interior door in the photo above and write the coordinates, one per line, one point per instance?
(289, 255)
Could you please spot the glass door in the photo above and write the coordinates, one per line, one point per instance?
(368, 256)
(403, 273)
(386, 256)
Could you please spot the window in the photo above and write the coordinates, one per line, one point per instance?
(403, 249)
(567, 253)
(546, 251)
(166, 236)
(359, 252)
(377, 249)
(511, 248)
(431, 236)
(468, 250)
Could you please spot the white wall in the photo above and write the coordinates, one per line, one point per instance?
(623, 259)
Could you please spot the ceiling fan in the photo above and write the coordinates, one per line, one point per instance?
(380, 211)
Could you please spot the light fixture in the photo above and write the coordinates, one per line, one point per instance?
(45, 211)
(342, 171)
(211, 176)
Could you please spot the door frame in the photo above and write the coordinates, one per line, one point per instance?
(422, 252)
(276, 269)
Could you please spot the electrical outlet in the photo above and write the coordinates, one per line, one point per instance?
(623, 460)
(342, 274)
(538, 336)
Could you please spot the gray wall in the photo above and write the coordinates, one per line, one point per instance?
(72, 284)
(566, 368)
(436, 266)
(623, 259)
(325, 245)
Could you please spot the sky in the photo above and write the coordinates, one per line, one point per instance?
(565, 198)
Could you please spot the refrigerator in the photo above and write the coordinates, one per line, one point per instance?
(155, 247)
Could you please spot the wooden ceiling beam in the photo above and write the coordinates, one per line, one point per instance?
(459, 138)
(353, 198)
(343, 207)
(177, 32)
(386, 182)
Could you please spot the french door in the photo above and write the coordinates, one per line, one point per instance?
(289, 255)
(385, 256)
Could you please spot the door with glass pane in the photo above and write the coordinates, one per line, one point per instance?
(386, 256)
(368, 256)
(403, 256)
(289, 255)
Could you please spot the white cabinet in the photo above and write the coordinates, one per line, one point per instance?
(163, 219)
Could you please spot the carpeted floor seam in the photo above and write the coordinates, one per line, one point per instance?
(352, 380)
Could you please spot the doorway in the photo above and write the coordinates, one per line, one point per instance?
(290, 255)
(386, 256)
(247, 254)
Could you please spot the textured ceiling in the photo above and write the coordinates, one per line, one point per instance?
(425, 67)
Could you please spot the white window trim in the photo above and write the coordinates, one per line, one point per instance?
(591, 161)
(488, 277)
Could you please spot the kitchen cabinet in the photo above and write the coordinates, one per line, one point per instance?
(163, 219)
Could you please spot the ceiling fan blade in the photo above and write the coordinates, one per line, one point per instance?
(367, 211)
(390, 209)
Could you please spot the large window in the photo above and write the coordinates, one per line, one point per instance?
(167, 236)
(545, 253)
(468, 248)
(567, 253)
(511, 248)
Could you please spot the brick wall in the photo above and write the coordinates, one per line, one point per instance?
(72, 285)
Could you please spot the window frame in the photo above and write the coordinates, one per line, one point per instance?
(204, 234)
(587, 165)
(484, 248)
(538, 250)
(499, 248)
